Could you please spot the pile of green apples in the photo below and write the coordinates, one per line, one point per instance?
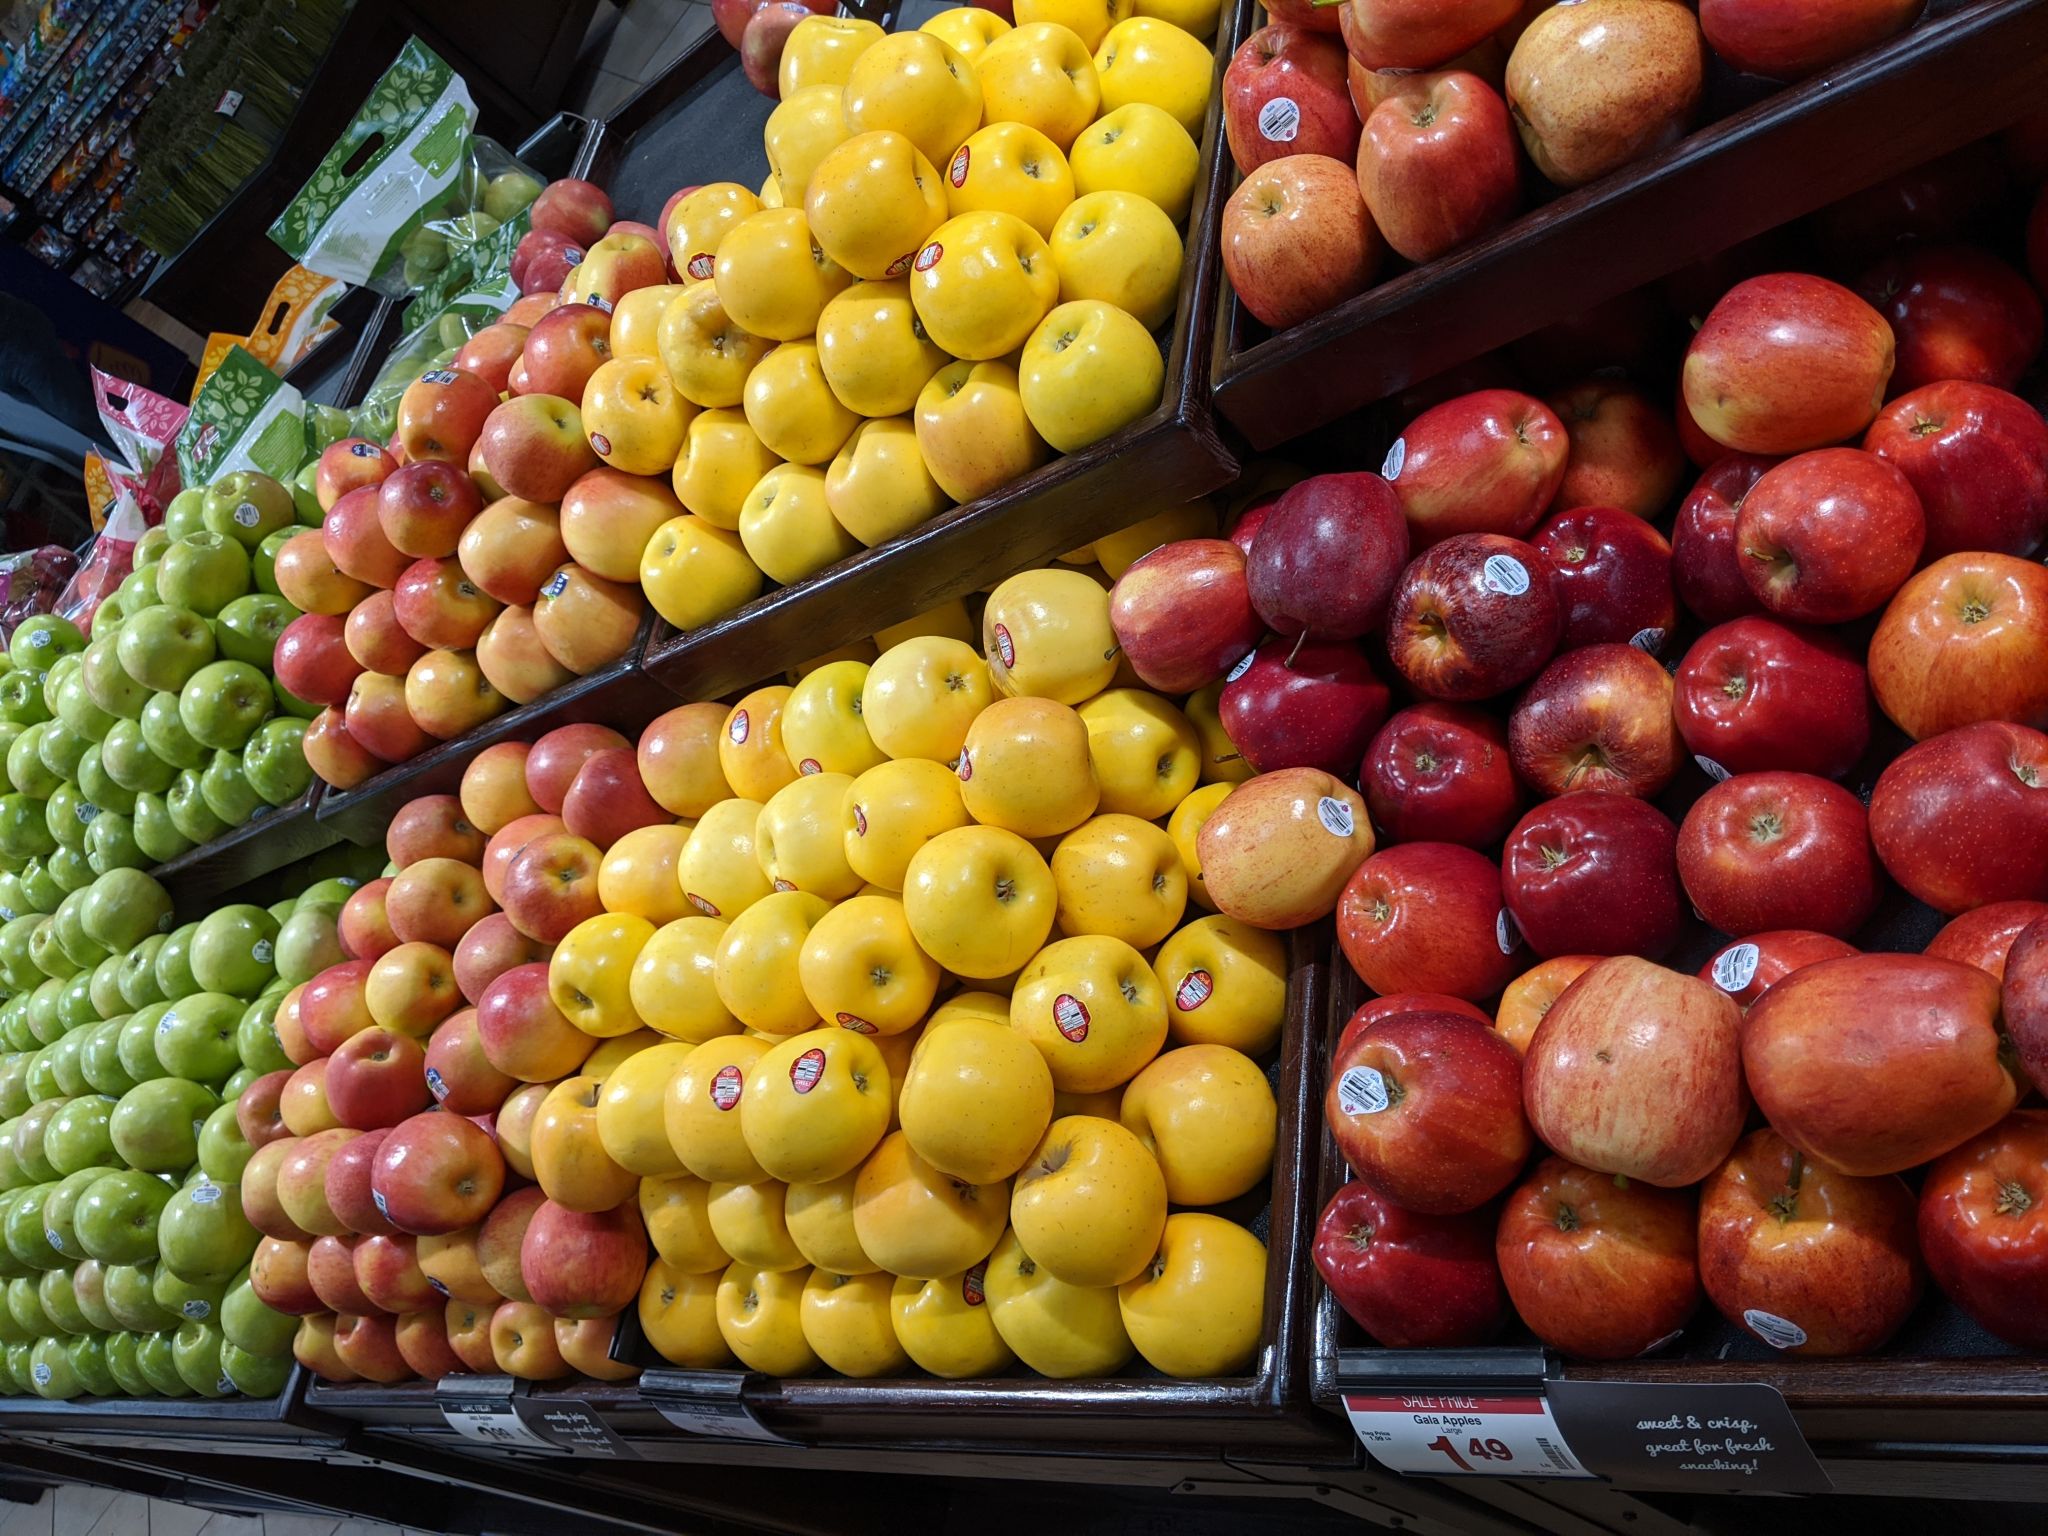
(124, 1250)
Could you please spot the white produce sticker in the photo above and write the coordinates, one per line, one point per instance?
(1505, 575)
(1735, 967)
(1335, 815)
(1361, 1091)
(1778, 1332)
(1280, 120)
(1710, 768)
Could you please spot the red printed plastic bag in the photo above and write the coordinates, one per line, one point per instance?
(142, 425)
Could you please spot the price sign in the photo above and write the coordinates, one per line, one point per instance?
(1734, 1437)
(482, 1409)
(573, 1427)
(1506, 1434)
(708, 1403)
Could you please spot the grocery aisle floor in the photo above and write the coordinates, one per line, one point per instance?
(76, 1511)
(628, 45)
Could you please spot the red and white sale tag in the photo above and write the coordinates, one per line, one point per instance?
(1458, 1434)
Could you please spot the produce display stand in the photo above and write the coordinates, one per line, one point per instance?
(701, 121)
(221, 1423)
(266, 842)
(1968, 68)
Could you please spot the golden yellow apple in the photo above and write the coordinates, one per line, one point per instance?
(1206, 1112)
(701, 1111)
(944, 1324)
(801, 837)
(629, 1113)
(893, 810)
(1139, 148)
(972, 430)
(1041, 73)
(1222, 763)
(1196, 17)
(976, 1100)
(748, 1222)
(675, 1208)
(1118, 552)
(636, 322)
(770, 190)
(1199, 1307)
(897, 1049)
(914, 1220)
(1089, 1204)
(992, 1006)
(980, 901)
(1090, 20)
(673, 985)
(589, 973)
(722, 459)
(756, 972)
(679, 1315)
(862, 969)
(771, 274)
(719, 873)
(1010, 168)
(1225, 983)
(569, 1160)
(1277, 851)
(816, 1105)
(982, 283)
(1025, 768)
(846, 1321)
(793, 410)
(760, 1315)
(915, 84)
(873, 201)
(1047, 633)
(750, 747)
(966, 29)
(873, 349)
(1093, 1008)
(1184, 826)
(1145, 60)
(1122, 249)
(822, 50)
(801, 131)
(634, 417)
(615, 1052)
(694, 571)
(1059, 1330)
(822, 728)
(1088, 370)
(1147, 757)
(922, 694)
(638, 874)
(699, 223)
(1122, 877)
(862, 651)
(706, 354)
(878, 487)
(820, 1218)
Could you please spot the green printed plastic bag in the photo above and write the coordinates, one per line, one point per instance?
(244, 417)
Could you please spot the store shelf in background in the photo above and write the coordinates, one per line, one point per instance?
(1958, 75)
(197, 879)
(702, 122)
(223, 1424)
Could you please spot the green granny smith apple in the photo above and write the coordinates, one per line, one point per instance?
(238, 1079)
(174, 964)
(40, 639)
(98, 786)
(74, 706)
(101, 1058)
(161, 647)
(223, 704)
(275, 763)
(88, 1356)
(26, 1235)
(60, 1305)
(247, 628)
(74, 999)
(130, 1292)
(154, 1357)
(25, 1307)
(116, 1218)
(223, 1150)
(235, 950)
(89, 1289)
(14, 1099)
(247, 507)
(26, 770)
(166, 735)
(67, 813)
(138, 972)
(25, 828)
(78, 1138)
(193, 1301)
(156, 1123)
(195, 1037)
(254, 1375)
(195, 1352)
(51, 1374)
(43, 1022)
(138, 588)
(62, 750)
(263, 564)
(256, 1039)
(82, 947)
(42, 1077)
(203, 1236)
(39, 887)
(227, 791)
(29, 1130)
(110, 844)
(71, 869)
(66, 1067)
(151, 546)
(155, 833)
(125, 907)
(189, 811)
(105, 988)
(131, 763)
(184, 513)
(15, 965)
(203, 571)
(108, 684)
(122, 1365)
(308, 943)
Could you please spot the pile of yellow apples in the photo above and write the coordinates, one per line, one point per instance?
(955, 271)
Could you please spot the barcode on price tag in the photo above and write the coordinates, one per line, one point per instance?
(1463, 1435)
(492, 1421)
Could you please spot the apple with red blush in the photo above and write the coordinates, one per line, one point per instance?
(1409, 1280)
(1612, 571)
(543, 261)
(347, 1186)
(379, 722)
(1984, 936)
(1624, 450)
(491, 353)
(312, 659)
(1983, 1228)
(1303, 704)
(552, 765)
(579, 210)
(1750, 967)
(1375, 1009)
(1473, 616)
(1829, 536)
(1956, 312)
(1421, 34)
(490, 948)
(1485, 462)
(1977, 457)
(1183, 614)
(1297, 239)
(1764, 851)
(424, 507)
(1438, 164)
(437, 604)
(1964, 640)
(1427, 917)
(1961, 819)
(1594, 873)
(1441, 773)
(354, 539)
(1327, 556)
(607, 798)
(1789, 42)
(1754, 695)
(1597, 718)
(535, 448)
(1704, 565)
(348, 465)
(1304, 71)
(441, 414)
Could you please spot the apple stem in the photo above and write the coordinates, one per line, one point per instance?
(1301, 639)
(2013, 1199)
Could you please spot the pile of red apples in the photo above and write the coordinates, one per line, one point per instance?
(1363, 127)
(1761, 677)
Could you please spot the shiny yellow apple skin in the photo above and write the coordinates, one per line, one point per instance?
(1047, 633)
(672, 987)
(862, 969)
(846, 1321)
(636, 321)
(1146, 754)
(822, 727)
(917, 85)
(760, 1317)
(1041, 73)
(719, 873)
(770, 191)
(1118, 552)
(1199, 1308)
(1090, 20)
(977, 1100)
(1095, 1011)
(793, 410)
(750, 747)
(679, 1315)
(614, 1053)
(1277, 851)
(1010, 168)
(966, 29)
(879, 487)
(569, 1162)
(638, 874)
(893, 810)
(948, 620)
(634, 417)
(694, 571)
(1138, 148)
(786, 528)
(1225, 984)
(816, 1105)
(982, 283)
(748, 1222)
(1144, 59)
(701, 1111)
(756, 971)
(699, 223)
(1122, 249)
(800, 839)
(1090, 1203)
(822, 50)
(992, 1006)
(1184, 826)
(862, 651)
(675, 1208)
(874, 350)
(629, 1112)
(771, 275)
(973, 432)
(980, 901)
(922, 695)
(1059, 1330)
(1088, 370)
(914, 1220)
(945, 1327)
(873, 201)
(590, 971)
(1121, 877)
(1206, 1112)
(820, 1218)
(1196, 17)
(800, 132)
(722, 459)
(1222, 763)
(1025, 767)
(706, 354)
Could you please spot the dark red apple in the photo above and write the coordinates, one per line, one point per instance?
(1956, 312)
(607, 799)
(1596, 718)
(1789, 41)
(1411, 1281)
(2024, 998)
(1284, 93)
(1303, 704)
(1624, 450)
(1763, 851)
(1473, 616)
(1961, 820)
(1487, 462)
(1829, 536)
(1754, 695)
(1983, 1228)
(1327, 557)
(1593, 873)
(1977, 457)
(1704, 566)
(1437, 164)
(1422, 34)
(1965, 640)
(1183, 614)
(1378, 1008)
(1613, 576)
(1750, 967)
(1984, 936)
(1440, 773)
(312, 659)
(1427, 917)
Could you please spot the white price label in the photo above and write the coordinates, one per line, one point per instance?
(716, 1420)
(1454, 1435)
(490, 1422)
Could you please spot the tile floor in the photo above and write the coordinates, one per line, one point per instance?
(101, 1512)
(630, 42)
